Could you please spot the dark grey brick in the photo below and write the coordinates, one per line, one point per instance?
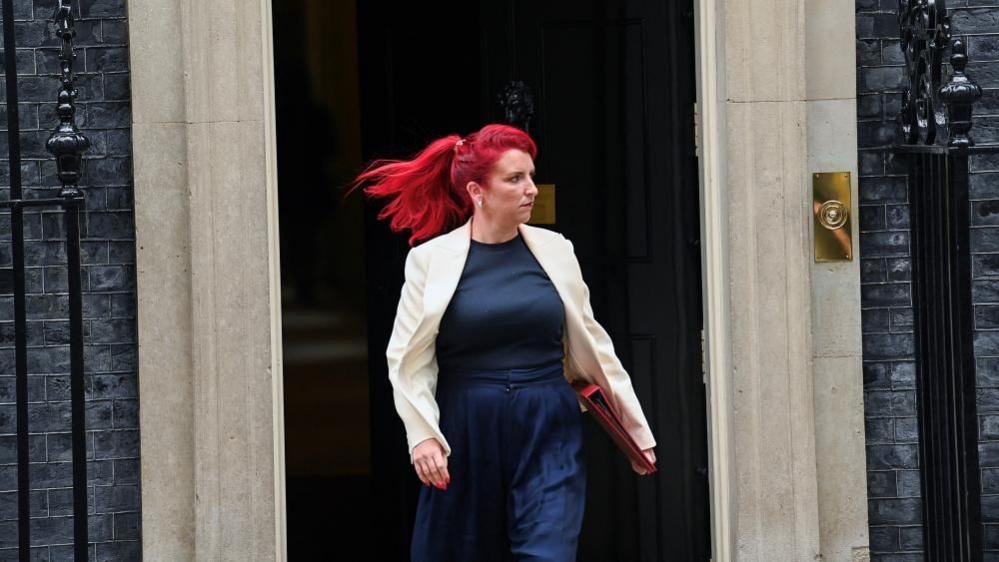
(49, 416)
(903, 375)
(985, 213)
(100, 527)
(986, 317)
(116, 444)
(126, 526)
(909, 483)
(114, 499)
(888, 346)
(869, 52)
(983, 186)
(901, 320)
(102, 8)
(51, 530)
(873, 271)
(885, 295)
(897, 216)
(126, 414)
(879, 430)
(872, 217)
(987, 371)
(881, 484)
(984, 291)
(988, 426)
(115, 31)
(107, 59)
(991, 537)
(884, 244)
(117, 225)
(875, 320)
(900, 510)
(124, 358)
(869, 106)
(975, 21)
(884, 539)
(101, 415)
(115, 386)
(51, 475)
(906, 430)
(873, 134)
(117, 88)
(8, 448)
(911, 538)
(985, 162)
(126, 471)
(877, 375)
(891, 52)
(883, 190)
(986, 343)
(985, 239)
(880, 457)
(990, 508)
(881, 79)
(903, 403)
(987, 400)
(119, 551)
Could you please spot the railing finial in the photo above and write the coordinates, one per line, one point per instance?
(959, 94)
(66, 143)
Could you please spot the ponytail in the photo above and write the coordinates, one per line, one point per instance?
(427, 193)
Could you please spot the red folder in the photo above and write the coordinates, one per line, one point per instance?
(599, 406)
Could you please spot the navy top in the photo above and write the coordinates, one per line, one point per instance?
(505, 312)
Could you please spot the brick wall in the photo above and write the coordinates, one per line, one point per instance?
(889, 396)
(892, 436)
(108, 278)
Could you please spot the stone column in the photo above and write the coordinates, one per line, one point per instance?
(769, 217)
(208, 280)
(766, 70)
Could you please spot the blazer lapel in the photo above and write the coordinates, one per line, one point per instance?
(446, 266)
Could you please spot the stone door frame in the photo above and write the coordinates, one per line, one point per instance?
(210, 384)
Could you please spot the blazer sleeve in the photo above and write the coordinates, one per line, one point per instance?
(618, 383)
(412, 369)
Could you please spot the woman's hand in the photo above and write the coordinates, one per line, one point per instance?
(430, 463)
(649, 454)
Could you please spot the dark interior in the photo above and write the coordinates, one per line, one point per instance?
(613, 87)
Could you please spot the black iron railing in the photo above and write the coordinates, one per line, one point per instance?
(67, 145)
(935, 121)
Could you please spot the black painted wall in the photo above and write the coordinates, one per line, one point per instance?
(108, 245)
(893, 460)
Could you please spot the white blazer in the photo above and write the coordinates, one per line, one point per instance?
(432, 272)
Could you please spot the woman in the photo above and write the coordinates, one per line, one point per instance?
(493, 321)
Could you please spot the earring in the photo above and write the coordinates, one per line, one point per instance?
(480, 203)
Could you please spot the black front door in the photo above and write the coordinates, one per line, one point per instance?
(613, 89)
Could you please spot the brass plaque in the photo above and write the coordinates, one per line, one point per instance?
(544, 205)
(831, 210)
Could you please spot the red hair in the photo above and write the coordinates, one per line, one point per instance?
(427, 193)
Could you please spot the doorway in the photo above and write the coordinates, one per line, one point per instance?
(613, 88)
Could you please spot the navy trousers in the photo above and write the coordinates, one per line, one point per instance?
(518, 481)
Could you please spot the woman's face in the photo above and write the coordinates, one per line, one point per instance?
(511, 191)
